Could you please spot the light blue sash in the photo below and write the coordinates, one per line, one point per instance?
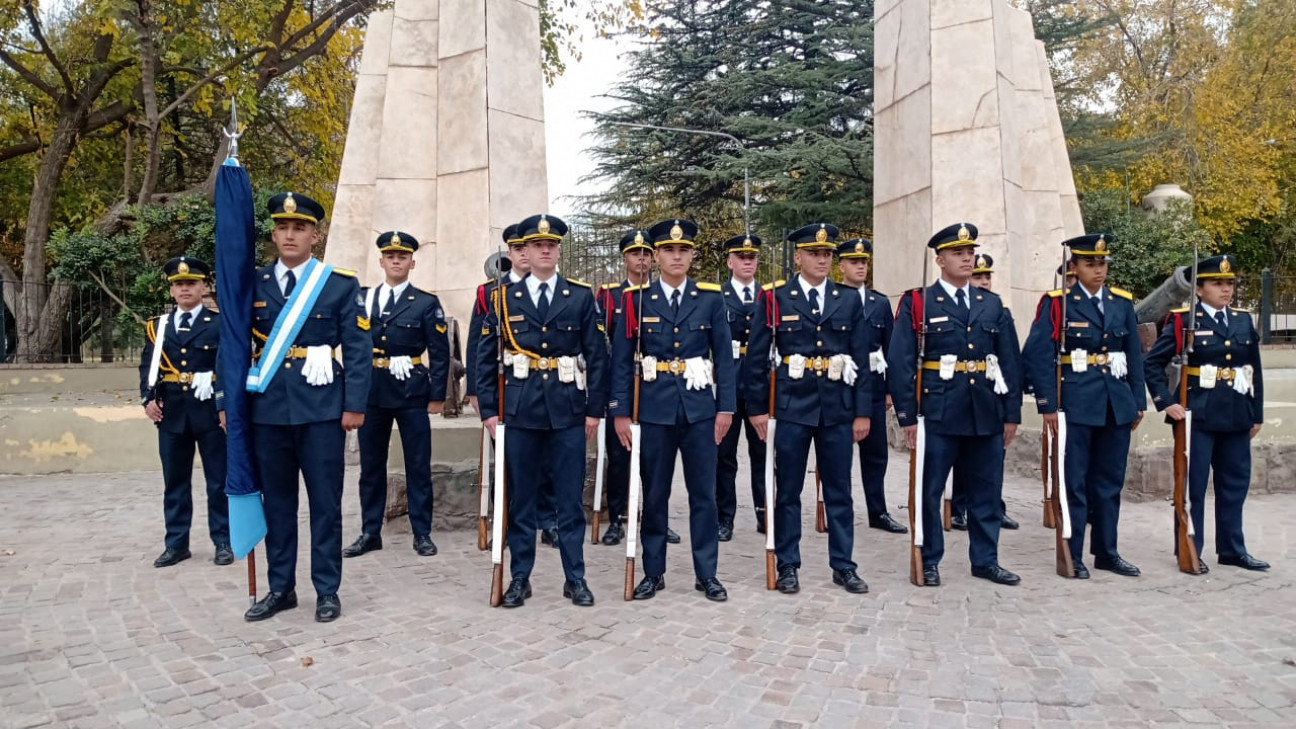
(291, 318)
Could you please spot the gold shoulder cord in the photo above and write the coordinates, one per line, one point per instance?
(502, 293)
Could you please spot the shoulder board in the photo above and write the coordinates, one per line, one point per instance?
(578, 282)
(704, 286)
(640, 287)
(1056, 293)
(773, 285)
(910, 292)
(1179, 311)
(344, 272)
(877, 293)
(416, 290)
(1121, 293)
(1240, 311)
(487, 282)
(616, 285)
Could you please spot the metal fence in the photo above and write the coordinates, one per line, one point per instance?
(67, 324)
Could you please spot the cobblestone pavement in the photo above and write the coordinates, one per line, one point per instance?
(91, 635)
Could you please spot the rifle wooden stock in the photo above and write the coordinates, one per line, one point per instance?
(1185, 547)
(1049, 522)
(483, 500)
(947, 514)
(1061, 547)
(599, 463)
(251, 560)
(821, 518)
(497, 585)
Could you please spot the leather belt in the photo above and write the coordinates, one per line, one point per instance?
(674, 366)
(1101, 358)
(385, 362)
(1223, 373)
(814, 364)
(187, 377)
(962, 365)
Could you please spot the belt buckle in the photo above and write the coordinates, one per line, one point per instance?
(816, 363)
(186, 377)
(1100, 358)
(543, 363)
(382, 362)
(676, 366)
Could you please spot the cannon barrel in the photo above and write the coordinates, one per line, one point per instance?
(1173, 292)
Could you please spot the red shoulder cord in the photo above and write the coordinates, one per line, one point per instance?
(631, 316)
(916, 308)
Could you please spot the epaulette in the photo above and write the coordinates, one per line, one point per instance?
(578, 282)
(1121, 293)
(1179, 311)
(1244, 311)
(704, 286)
(773, 285)
(640, 287)
(877, 293)
(1056, 293)
(616, 285)
(344, 271)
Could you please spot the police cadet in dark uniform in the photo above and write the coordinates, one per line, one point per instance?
(303, 401)
(853, 258)
(636, 252)
(179, 395)
(1102, 394)
(405, 323)
(982, 278)
(971, 398)
(1227, 413)
(679, 327)
(517, 254)
(548, 324)
(740, 294)
(824, 397)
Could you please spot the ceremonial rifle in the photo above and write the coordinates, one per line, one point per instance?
(636, 483)
(1055, 500)
(496, 263)
(601, 461)
(772, 317)
(1185, 546)
(501, 492)
(917, 457)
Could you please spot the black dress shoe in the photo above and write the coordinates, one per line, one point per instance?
(517, 593)
(931, 576)
(725, 531)
(224, 555)
(1205, 569)
(614, 534)
(272, 603)
(172, 556)
(579, 593)
(363, 543)
(787, 582)
(649, 586)
(549, 536)
(1007, 522)
(1116, 564)
(715, 591)
(850, 580)
(760, 521)
(996, 574)
(1244, 561)
(327, 608)
(1078, 570)
(425, 546)
(671, 536)
(887, 524)
(959, 522)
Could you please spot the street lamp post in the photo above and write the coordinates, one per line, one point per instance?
(707, 132)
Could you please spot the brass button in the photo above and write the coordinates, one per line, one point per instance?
(384, 337)
(971, 380)
(969, 329)
(677, 330)
(544, 329)
(185, 351)
(545, 376)
(677, 344)
(971, 345)
(1226, 343)
(819, 343)
(287, 365)
(544, 345)
(185, 388)
(818, 328)
(183, 363)
(1228, 356)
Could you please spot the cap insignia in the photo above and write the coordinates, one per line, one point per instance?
(289, 204)
(821, 235)
(639, 239)
(543, 227)
(963, 233)
(676, 232)
(859, 247)
(1225, 266)
(182, 268)
(1101, 245)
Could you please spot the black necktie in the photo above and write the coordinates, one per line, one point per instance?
(1219, 319)
(391, 301)
(814, 303)
(747, 295)
(1097, 302)
(961, 297)
(675, 299)
(543, 305)
(290, 283)
(185, 320)
(377, 306)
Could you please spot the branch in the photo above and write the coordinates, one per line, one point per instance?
(28, 75)
(34, 22)
(114, 297)
(212, 77)
(17, 150)
(345, 9)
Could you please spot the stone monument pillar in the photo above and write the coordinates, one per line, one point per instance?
(445, 141)
(967, 130)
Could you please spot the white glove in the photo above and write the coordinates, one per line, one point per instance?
(580, 372)
(1079, 360)
(401, 367)
(318, 367)
(697, 373)
(566, 369)
(1119, 364)
(202, 385)
(796, 366)
(947, 362)
(877, 362)
(835, 366)
(521, 366)
(995, 375)
(1243, 380)
(649, 365)
(850, 370)
(737, 348)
